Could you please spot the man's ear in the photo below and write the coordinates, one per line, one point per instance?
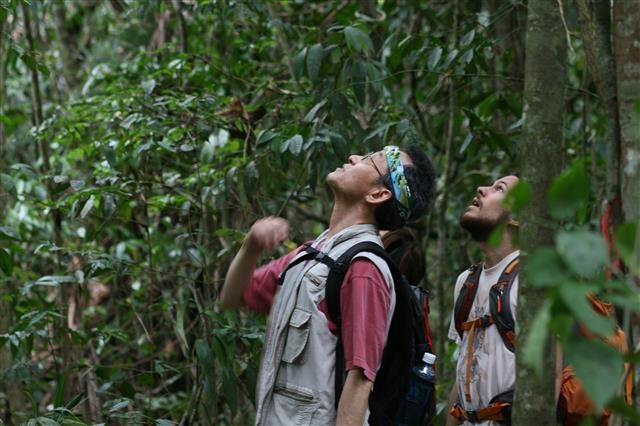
(379, 195)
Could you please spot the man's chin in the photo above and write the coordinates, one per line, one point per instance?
(478, 229)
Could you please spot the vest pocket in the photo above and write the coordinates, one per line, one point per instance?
(294, 405)
(297, 336)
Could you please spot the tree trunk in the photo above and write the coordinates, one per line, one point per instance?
(627, 51)
(627, 34)
(541, 160)
(595, 17)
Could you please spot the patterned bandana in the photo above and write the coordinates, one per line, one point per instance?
(399, 183)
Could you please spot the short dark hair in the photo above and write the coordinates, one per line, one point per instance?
(421, 178)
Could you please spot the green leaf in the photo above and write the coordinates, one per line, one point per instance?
(359, 82)
(630, 301)
(148, 86)
(598, 366)
(293, 145)
(6, 261)
(230, 389)
(311, 115)
(518, 197)
(583, 251)
(180, 323)
(535, 343)
(299, 61)
(29, 60)
(466, 57)
(467, 38)
(434, 57)
(450, 57)
(340, 106)
(627, 242)
(358, 40)
(495, 238)
(206, 361)
(545, 268)
(8, 183)
(466, 142)
(574, 296)
(7, 233)
(88, 205)
(265, 136)
(314, 61)
(569, 192)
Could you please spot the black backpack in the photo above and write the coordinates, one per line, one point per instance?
(408, 336)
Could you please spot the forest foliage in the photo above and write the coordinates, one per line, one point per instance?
(140, 139)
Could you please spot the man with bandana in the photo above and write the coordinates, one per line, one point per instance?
(378, 191)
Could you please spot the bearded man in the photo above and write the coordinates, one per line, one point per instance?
(485, 365)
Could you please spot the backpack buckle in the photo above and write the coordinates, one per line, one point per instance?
(472, 416)
(486, 320)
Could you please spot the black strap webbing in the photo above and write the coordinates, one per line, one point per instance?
(310, 253)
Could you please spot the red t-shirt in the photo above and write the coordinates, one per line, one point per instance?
(364, 303)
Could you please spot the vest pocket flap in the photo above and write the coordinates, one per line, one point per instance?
(297, 336)
(299, 318)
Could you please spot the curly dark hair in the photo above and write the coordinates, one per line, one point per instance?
(421, 177)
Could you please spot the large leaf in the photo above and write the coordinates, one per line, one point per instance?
(583, 251)
(314, 61)
(535, 343)
(518, 197)
(6, 261)
(569, 192)
(574, 296)
(598, 366)
(545, 268)
(434, 57)
(627, 241)
(358, 40)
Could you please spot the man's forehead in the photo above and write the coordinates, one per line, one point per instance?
(509, 180)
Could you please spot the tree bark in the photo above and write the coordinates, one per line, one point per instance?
(595, 18)
(627, 51)
(541, 159)
(627, 34)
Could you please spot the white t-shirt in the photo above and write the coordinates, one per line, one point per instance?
(493, 366)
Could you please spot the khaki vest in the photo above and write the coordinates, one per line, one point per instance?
(296, 381)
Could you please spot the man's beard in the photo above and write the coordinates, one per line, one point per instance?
(480, 228)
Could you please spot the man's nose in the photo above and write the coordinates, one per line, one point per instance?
(481, 190)
(353, 159)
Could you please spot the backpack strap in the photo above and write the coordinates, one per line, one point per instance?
(336, 275)
(498, 410)
(310, 253)
(466, 296)
(500, 307)
(339, 269)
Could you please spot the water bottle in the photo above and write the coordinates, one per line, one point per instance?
(417, 407)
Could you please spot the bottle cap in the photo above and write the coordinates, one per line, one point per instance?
(429, 358)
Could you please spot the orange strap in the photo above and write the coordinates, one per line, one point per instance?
(492, 412)
(471, 326)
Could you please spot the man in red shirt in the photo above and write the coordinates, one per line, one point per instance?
(374, 192)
